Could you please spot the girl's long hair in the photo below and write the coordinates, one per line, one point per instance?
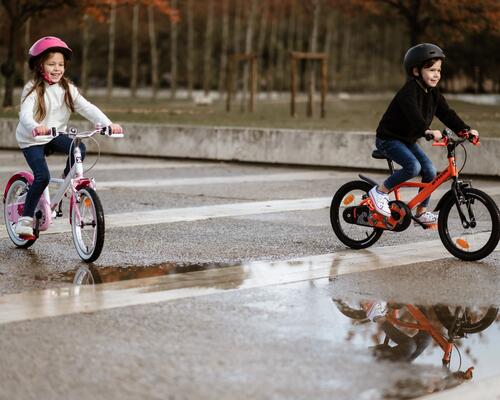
(39, 88)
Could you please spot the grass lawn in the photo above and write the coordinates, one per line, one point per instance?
(358, 113)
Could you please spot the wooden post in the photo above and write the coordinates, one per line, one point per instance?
(295, 56)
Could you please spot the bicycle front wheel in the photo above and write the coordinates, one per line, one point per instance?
(469, 320)
(87, 225)
(13, 206)
(352, 235)
(482, 233)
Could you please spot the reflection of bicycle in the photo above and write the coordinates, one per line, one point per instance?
(458, 322)
(86, 215)
(469, 219)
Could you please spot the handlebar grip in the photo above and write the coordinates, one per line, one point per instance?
(108, 131)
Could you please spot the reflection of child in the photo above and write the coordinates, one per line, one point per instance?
(407, 119)
(46, 102)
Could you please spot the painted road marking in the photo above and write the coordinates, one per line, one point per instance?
(77, 299)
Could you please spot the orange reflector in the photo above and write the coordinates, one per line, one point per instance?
(87, 202)
(348, 199)
(464, 244)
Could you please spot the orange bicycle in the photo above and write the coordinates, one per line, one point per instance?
(458, 321)
(469, 219)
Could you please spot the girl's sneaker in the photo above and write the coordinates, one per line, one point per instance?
(427, 218)
(380, 201)
(24, 228)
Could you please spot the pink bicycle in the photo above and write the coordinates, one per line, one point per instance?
(86, 215)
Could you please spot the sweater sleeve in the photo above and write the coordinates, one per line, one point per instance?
(448, 116)
(26, 118)
(88, 110)
(407, 101)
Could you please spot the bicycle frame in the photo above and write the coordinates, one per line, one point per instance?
(423, 324)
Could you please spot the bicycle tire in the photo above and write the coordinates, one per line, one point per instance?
(458, 246)
(336, 218)
(88, 242)
(349, 311)
(446, 317)
(17, 188)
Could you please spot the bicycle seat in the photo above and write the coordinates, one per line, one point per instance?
(378, 155)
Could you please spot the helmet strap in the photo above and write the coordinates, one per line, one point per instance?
(45, 75)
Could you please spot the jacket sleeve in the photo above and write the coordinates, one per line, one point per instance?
(88, 110)
(448, 116)
(407, 101)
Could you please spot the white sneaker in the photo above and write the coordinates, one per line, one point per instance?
(376, 310)
(24, 227)
(427, 218)
(380, 201)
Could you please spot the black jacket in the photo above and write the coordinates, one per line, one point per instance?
(411, 112)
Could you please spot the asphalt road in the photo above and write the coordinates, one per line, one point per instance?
(219, 284)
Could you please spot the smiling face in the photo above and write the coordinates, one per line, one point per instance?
(54, 66)
(431, 74)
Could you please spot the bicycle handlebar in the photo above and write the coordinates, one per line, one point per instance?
(72, 132)
(447, 133)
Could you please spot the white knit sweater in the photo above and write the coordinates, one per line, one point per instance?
(57, 115)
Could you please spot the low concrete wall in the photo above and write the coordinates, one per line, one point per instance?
(281, 146)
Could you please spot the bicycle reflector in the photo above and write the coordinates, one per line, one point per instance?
(464, 244)
(87, 202)
(348, 199)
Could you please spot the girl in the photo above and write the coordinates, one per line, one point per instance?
(47, 101)
(407, 119)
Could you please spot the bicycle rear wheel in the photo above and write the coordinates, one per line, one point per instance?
(87, 225)
(480, 238)
(14, 203)
(469, 320)
(352, 235)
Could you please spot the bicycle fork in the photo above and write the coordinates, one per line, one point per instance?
(461, 199)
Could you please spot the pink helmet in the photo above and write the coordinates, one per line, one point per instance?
(45, 45)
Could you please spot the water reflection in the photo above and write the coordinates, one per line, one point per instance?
(405, 331)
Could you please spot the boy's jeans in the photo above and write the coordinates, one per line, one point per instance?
(35, 157)
(413, 160)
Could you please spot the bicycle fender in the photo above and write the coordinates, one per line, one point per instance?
(22, 174)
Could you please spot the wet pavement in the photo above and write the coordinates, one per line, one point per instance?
(219, 301)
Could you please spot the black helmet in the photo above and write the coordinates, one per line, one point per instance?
(419, 54)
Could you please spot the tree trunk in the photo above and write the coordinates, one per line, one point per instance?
(154, 51)
(173, 54)
(111, 50)
(262, 37)
(207, 59)
(272, 46)
(224, 46)
(248, 50)
(312, 48)
(135, 50)
(8, 67)
(190, 47)
(85, 53)
(27, 42)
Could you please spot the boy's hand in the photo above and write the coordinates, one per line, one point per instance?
(115, 128)
(40, 130)
(436, 134)
(474, 136)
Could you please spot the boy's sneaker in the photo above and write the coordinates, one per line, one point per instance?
(24, 228)
(380, 201)
(427, 218)
(376, 310)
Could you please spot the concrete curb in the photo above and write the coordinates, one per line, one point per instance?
(276, 146)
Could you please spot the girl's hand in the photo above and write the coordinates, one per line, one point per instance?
(40, 130)
(436, 134)
(115, 128)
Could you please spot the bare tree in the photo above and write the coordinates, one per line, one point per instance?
(190, 46)
(173, 54)
(85, 52)
(224, 45)
(207, 58)
(111, 49)
(154, 51)
(17, 13)
(27, 43)
(248, 50)
(135, 49)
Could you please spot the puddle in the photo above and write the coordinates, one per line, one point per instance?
(96, 275)
(462, 341)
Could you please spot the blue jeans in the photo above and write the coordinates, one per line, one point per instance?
(413, 160)
(35, 157)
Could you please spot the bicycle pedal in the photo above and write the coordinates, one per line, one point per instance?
(27, 237)
(59, 213)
